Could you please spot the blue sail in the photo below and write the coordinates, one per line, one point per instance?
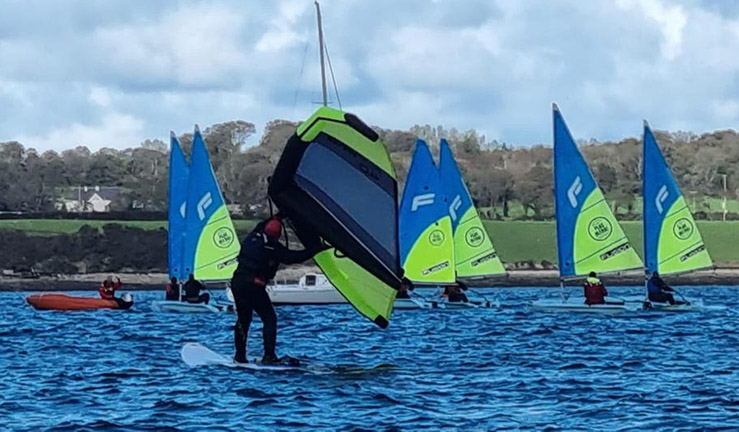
(474, 254)
(211, 245)
(589, 238)
(672, 242)
(179, 173)
(425, 228)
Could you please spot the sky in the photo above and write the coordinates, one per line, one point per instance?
(112, 73)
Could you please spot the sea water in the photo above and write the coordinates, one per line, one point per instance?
(504, 369)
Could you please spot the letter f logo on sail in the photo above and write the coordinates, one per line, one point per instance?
(422, 200)
(454, 206)
(203, 204)
(573, 191)
(661, 197)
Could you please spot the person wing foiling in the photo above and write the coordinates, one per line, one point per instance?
(260, 257)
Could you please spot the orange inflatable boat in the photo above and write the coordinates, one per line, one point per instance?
(66, 302)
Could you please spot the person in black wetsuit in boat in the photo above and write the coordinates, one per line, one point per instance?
(404, 291)
(659, 291)
(192, 291)
(454, 294)
(260, 257)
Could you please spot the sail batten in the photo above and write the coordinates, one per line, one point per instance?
(474, 253)
(672, 242)
(589, 238)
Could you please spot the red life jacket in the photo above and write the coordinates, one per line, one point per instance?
(595, 292)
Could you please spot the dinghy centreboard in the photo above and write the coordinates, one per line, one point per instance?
(672, 241)
(202, 238)
(589, 238)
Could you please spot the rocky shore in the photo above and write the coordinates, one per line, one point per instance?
(514, 278)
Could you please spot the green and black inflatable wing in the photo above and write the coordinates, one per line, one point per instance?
(335, 178)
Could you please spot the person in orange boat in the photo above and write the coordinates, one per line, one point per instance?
(108, 288)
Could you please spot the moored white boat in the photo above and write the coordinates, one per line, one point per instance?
(312, 289)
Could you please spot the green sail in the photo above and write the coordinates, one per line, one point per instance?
(474, 253)
(211, 246)
(218, 247)
(672, 242)
(425, 227)
(369, 295)
(335, 178)
(681, 247)
(600, 243)
(589, 238)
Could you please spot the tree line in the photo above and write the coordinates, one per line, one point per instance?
(505, 181)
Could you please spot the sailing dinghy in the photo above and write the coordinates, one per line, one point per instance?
(589, 238)
(202, 238)
(435, 202)
(425, 228)
(475, 256)
(672, 242)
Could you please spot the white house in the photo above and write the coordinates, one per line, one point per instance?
(91, 199)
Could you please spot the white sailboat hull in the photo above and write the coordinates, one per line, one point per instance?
(578, 305)
(472, 304)
(302, 295)
(414, 303)
(694, 305)
(184, 307)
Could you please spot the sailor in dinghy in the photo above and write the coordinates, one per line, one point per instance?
(672, 241)
(589, 238)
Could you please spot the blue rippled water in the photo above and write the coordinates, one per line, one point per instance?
(506, 369)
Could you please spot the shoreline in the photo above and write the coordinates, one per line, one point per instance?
(514, 278)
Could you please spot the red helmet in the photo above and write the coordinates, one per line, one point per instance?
(273, 227)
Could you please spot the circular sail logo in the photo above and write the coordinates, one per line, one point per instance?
(600, 228)
(436, 237)
(683, 228)
(474, 236)
(223, 237)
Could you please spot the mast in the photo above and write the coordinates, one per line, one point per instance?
(320, 43)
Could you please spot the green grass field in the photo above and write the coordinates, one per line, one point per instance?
(536, 241)
(514, 240)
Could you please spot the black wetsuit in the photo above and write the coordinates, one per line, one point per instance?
(192, 292)
(659, 291)
(259, 259)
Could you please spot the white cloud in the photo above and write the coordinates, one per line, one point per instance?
(670, 20)
(116, 75)
(114, 130)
